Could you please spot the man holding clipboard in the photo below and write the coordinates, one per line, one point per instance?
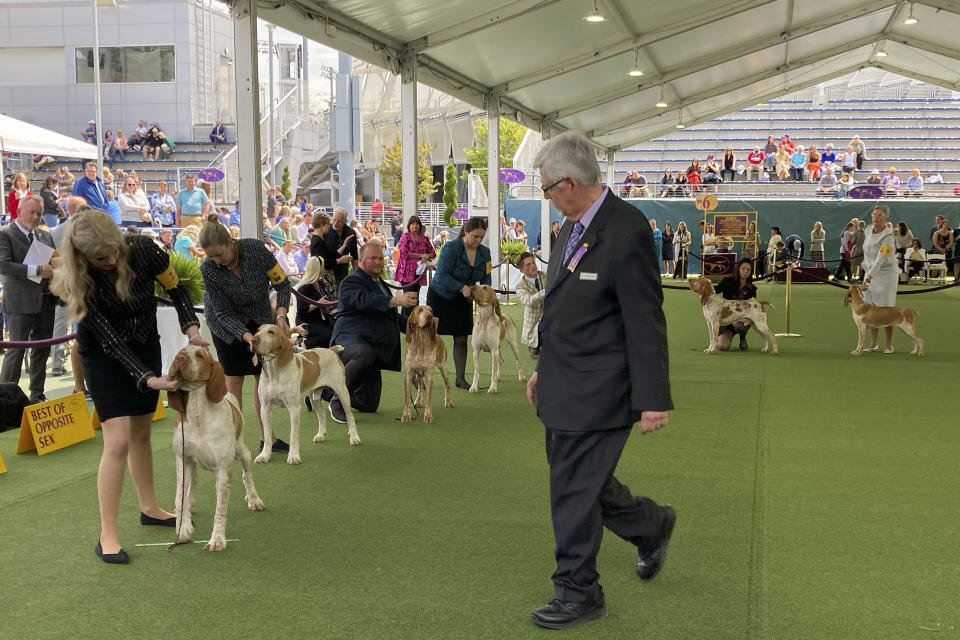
(25, 253)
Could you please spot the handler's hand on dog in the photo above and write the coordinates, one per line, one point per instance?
(408, 299)
(532, 390)
(163, 383)
(652, 420)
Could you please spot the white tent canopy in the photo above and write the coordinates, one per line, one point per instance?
(549, 69)
(17, 136)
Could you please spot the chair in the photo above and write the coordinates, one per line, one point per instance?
(936, 263)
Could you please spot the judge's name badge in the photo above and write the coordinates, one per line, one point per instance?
(586, 275)
(577, 256)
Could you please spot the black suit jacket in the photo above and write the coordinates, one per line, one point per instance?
(364, 315)
(603, 359)
(20, 295)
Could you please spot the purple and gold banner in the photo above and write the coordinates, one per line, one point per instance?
(730, 224)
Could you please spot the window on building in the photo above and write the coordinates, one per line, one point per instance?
(128, 64)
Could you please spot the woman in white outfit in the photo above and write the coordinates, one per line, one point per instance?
(881, 272)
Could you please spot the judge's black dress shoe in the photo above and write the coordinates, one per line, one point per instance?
(120, 557)
(279, 446)
(560, 614)
(650, 562)
(159, 522)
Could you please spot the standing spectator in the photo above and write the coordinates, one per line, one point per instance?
(414, 251)
(798, 162)
(846, 250)
(27, 305)
(667, 249)
(942, 239)
(681, 240)
(162, 205)
(708, 241)
(902, 240)
(463, 263)
(531, 289)
(271, 204)
(134, 206)
(729, 170)
(881, 273)
(219, 134)
(320, 249)
(775, 239)
(891, 183)
(914, 184)
(751, 242)
(755, 160)
(856, 253)
(817, 238)
(89, 134)
(20, 190)
(657, 239)
(113, 207)
(587, 423)
(108, 146)
(193, 205)
(770, 155)
(440, 239)
(860, 150)
(300, 256)
(51, 210)
(117, 338)
(91, 188)
(341, 241)
(828, 156)
(554, 232)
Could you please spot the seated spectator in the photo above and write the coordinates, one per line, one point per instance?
(300, 256)
(368, 329)
(916, 257)
(849, 160)
(634, 186)
(166, 240)
(89, 134)
(440, 239)
(667, 182)
(798, 163)
(303, 225)
(371, 231)
(755, 163)
(693, 174)
(317, 320)
(680, 190)
(846, 184)
(711, 172)
(914, 185)
(166, 146)
(120, 146)
(891, 183)
(40, 161)
(186, 243)
(770, 155)
(783, 163)
(139, 136)
(65, 179)
(874, 177)
(219, 134)
(813, 163)
(286, 261)
(729, 169)
(828, 156)
(829, 185)
(283, 232)
(786, 143)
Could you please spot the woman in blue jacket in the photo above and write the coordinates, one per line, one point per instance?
(463, 263)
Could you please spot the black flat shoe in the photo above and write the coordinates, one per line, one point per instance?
(462, 383)
(650, 563)
(560, 614)
(279, 446)
(120, 557)
(159, 522)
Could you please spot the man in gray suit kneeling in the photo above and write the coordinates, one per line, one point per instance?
(602, 368)
(28, 305)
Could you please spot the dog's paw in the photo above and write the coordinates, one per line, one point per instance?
(320, 437)
(473, 388)
(254, 504)
(216, 543)
(405, 417)
(354, 441)
(263, 457)
(856, 352)
(185, 532)
(448, 404)
(523, 378)
(428, 417)
(492, 389)
(293, 458)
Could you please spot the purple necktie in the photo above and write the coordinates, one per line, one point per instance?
(573, 240)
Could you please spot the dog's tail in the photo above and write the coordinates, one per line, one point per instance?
(764, 304)
(336, 348)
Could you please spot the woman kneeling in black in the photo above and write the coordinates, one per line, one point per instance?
(737, 287)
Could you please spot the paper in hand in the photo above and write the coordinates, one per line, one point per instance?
(38, 254)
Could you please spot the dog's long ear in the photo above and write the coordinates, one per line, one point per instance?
(174, 367)
(286, 350)
(846, 298)
(433, 328)
(411, 327)
(217, 385)
(177, 400)
(496, 307)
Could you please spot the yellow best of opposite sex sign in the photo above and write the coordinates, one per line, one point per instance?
(54, 424)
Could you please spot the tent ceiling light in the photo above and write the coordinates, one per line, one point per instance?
(595, 16)
(910, 18)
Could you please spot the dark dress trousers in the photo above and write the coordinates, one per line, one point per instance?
(603, 363)
(28, 305)
(368, 329)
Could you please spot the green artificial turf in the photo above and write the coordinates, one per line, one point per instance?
(816, 495)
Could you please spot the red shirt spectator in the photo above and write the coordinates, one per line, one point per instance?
(18, 191)
(756, 157)
(787, 143)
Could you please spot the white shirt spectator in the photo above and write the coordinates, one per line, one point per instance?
(130, 205)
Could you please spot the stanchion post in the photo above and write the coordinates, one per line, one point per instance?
(787, 304)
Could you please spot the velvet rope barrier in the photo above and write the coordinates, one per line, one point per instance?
(31, 344)
(834, 283)
(326, 304)
(169, 303)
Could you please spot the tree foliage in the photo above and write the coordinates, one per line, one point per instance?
(511, 135)
(285, 184)
(450, 194)
(391, 171)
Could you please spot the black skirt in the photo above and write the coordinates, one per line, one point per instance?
(456, 316)
(113, 389)
(235, 357)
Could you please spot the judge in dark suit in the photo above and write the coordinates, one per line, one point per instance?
(29, 305)
(368, 329)
(602, 368)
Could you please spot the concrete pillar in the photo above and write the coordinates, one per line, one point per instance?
(493, 182)
(247, 84)
(347, 182)
(408, 137)
(611, 174)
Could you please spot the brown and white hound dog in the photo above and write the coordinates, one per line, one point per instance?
(719, 312)
(868, 316)
(425, 351)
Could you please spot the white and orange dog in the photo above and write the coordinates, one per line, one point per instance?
(290, 377)
(425, 351)
(868, 316)
(719, 312)
(211, 435)
(490, 328)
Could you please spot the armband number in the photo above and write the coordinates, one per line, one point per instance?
(489, 266)
(276, 274)
(168, 278)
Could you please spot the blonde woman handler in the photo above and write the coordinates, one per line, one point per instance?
(107, 281)
(880, 269)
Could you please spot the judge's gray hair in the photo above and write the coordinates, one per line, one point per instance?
(569, 155)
